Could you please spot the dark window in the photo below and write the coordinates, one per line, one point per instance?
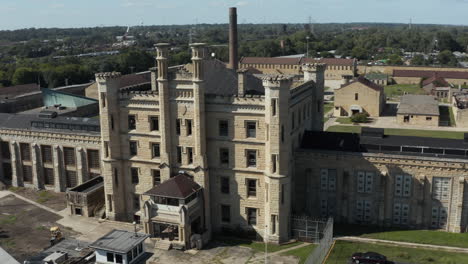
(356, 96)
(319, 106)
(25, 152)
(273, 107)
(116, 177)
(251, 129)
(179, 154)
(103, 99)
(428, 118)
(110, 257)
(5, 150)
(412, 149)
(457, 152)
(223, 128)
(134, 173)
(190, 155)
(156, 177)
(106, 148)
(69, 156)
(27, 173)
(156, 150)
(293, 120)
(131, 122)
(273, 163)
(251, 188)
(178, 126)
(46, 152)
(154, 123)
(251, 158)
(224, 184)
(282, 193)
(282, 133)
(129, 256)
(252, 216)
(112, 122)
(188, 126)
(133, 148)
(390, 148)
(93, 159)
(71, 180)
(224, 156)
(225, 213)
(136, 202)
(118, 258)
(48, 176)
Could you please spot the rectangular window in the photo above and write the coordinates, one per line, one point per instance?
(136, 202)
(282, 193)
(356, 96)
(156, 177)
(106, 148)
(25, 151)
(440, 188)
(48, 176)
(225, 213)
(403, 185)
(225, 185)
(365, 181)
(188, 126)
(439, 216)
(70, 178)
(133, 148)
(116, 177)
(273, 224)
(223, 128)
(69, 156)
(428, 118)
(93, 159)
(327, 179)
(274, 158)
(252, 216)
(179, 154)
(363, 211)
(273, 106)
(110, 257)
(27, 173)
(251, 188)
(178, 126)
(251, 129)
(190, 155)
(154, 123)
(319, 106)
(135, 177)
(103, 99)
(293, 120)
(251, 158)
(109, 202)
(131, 122)
(46, 152)
(118, 258)
(5, 150)
(401, 214)
(156, 150)
(224, 156)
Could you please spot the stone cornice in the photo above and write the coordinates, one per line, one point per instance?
(51, 136)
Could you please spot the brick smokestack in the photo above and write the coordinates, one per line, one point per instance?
(233, 48)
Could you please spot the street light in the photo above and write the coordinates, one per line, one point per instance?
(266, 243)
(307, 54)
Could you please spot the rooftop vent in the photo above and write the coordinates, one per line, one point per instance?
(372, 132)
(47, 114)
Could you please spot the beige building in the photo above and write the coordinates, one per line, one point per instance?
(334, 72)
(460, 108)
(419, 110)
(414, 75)
(397, 181)
(359, 96)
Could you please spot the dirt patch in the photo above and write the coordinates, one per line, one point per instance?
(24, 228)
(56, 201)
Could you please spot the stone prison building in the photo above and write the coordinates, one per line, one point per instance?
(205, 148)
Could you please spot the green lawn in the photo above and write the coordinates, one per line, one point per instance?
(402, 132)
(256, 246)
(344, 120)
(327, 107)
(343, 250)
(302, 253)
(396, 90)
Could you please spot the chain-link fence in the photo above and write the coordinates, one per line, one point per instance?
(324, 244)
(307, 229)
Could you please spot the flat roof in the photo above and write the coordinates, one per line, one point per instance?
(418, 105)
(119, 241)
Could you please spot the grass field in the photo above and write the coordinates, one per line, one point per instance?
(302, 253)
(327, 107)
(402, 132)
(344, 120)
(397, 90)
(343, 250)
(257, 246)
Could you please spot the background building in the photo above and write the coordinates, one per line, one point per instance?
(422, 110)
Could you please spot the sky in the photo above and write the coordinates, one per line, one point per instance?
(15, 14)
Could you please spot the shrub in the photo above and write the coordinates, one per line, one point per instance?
(359, 118)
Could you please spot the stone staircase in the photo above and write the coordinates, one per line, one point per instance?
(163, 244)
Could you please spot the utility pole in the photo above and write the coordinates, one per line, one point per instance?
(266, 244)
(307, 53)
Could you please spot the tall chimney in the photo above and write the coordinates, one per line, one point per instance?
(233, 60)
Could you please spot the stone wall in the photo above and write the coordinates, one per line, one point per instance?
(418, 120)
(370, 100)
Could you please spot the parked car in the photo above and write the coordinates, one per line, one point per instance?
(369, 258)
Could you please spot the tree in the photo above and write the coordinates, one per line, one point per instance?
(359, 53)
(359, 118)
(25, 75)
(447, 58)
(418, 60)
(395, 60)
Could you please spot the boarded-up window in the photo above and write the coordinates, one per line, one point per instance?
(27, 173)
(25, 151)
(46, 152)
(71, 179)
(69, 156)
(48, 176)
(93, 159)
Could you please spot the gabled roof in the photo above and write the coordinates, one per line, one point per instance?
(179, 187)
(428, 74)
(361, 79)
(437, 80)
(413, 104)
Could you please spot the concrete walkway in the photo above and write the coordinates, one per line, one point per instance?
(6, 258)
(403, 244)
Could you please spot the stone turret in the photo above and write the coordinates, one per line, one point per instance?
(314, 72)
(241, 82)
(198, 54)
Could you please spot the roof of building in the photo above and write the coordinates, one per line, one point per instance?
(13, 91)
(361, 79)
(399, 145)
(414, 104)
(428, 74)
(296, 61)
(436, 80)
(180, 187)
(376, 76)
(57, 124)
(119, 241)
(330, 61)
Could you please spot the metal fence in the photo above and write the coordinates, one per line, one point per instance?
(326, 241)
(307, 229)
